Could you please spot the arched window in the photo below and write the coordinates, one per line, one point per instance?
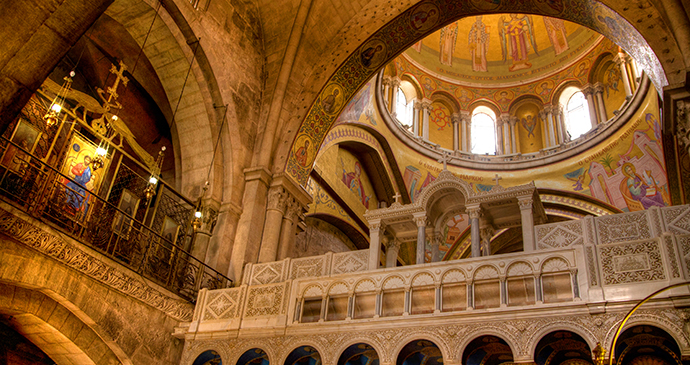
(403, 109)
(483, 131)
(575, 112)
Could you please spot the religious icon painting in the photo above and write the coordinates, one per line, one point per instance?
(79, 176)
(169, 231)
(129, 203)
(26, 136)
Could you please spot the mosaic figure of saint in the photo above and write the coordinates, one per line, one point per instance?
(478, 41)
(449, 35)
(557, 34)
(642, 189)
(353, 181)
(517, 38)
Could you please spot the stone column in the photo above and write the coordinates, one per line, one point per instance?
(395, 84)
(486, 233)
(220, 248)
(250, 225)
(435, 247)
(392, 250)
(504, 119)
(202, 237)
(621, 61)
(475, 211)
(289, 228)
(499, 135)
(426, 110)
(386, 82)
(375, 229)
(513, 134)
(558, 116)
(465, 120)
(599, 93)
(588, 90)
(277, 202)
(455, 118)
(415, 117)
(527, 223)
(546, 128)
(420, 221)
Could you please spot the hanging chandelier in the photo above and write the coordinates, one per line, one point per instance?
(53, 115)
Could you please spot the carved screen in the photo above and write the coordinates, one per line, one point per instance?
(521, 291)
(393, 303)
(557, 288)
(487, 295)
(365, 305)
(423, 300)
(454, 297)
(337, 309)
(311, 310)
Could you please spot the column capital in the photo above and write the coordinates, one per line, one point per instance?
(465, 115)
(588, 89)
(487, 232)
(525, 202)
(386, 81)
(277, 199)
(392, 244)
(377, 225)
(395, 82)
(455, 118)
(420, 220)
(513, 120)
(544, 113)
(426, 104)
(474, 211)
(294, 208)
(598, 88)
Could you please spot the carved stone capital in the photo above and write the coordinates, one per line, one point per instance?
(294, 208)
(426, 104)
(588, 90)
(386, 81)
(455, 118)
(420, 221)
(393, 244)
(395, 82)
(475, 212)
(277, 199)
(525, 203)
(465, 116)
(377, 226)
(598, 88)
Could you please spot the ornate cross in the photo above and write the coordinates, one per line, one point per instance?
(496, 179)
(445, 157)
(112, 90)
(397, 197)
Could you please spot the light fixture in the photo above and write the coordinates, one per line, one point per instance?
(599, 354)
(53, 114)
(196, 222)
(101, 152)
(150, 190)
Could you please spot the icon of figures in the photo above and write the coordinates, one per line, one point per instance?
(555, 28)
(478, 42)
(529, 123)
(77, 198)
(517, 36)
(302, 154)
(424, 18)
(449, 35)
(369, 53)
(354, 183)
(328, 102)
(642, 188)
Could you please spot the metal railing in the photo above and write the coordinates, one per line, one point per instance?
(43, 192)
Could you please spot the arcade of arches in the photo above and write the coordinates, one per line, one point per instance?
(343, 182)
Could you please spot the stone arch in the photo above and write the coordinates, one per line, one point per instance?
(342, 349)
(206, 356)
(661, 338)
(600, 18)
(336, 288)
(561, 346)
(393, 282)
(514, 266)
(301, 351)
(347, 228)
(575, 328)
(444, 182)
(477, 335)
(417, 337)
(50, 316)
(650, 319)
(486, 103)
(447, 100)
(253, 354)
(412, 79)
(558, 90)
(597, 66)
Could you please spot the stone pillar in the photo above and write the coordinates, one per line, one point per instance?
(621, 61)
(504, 119)
(392, 250)
(557, 112)
(202, 236)
(499, 137)
(395, 84)
(465, 120)
(289, 229)
(386, 82)
(277, 202)
(546, 128)
(415, 117)
(599, 93)
(455, 118)
(486, 233)
(436, 247)
(221, 244)
(375, 229)
(420, 221)
(426, 110)
(513, 134)
(527, 223)
(475, 211)
(250, 225)
(588, 90)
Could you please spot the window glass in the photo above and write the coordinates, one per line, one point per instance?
(483, 131)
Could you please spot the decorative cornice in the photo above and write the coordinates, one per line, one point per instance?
(83, 261)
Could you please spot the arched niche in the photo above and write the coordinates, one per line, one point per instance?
(487, 350)
(303, 355)
(646, 344)
(562, 347)
(208, 357)
(359, 354)
(420, 352)
(255, 356)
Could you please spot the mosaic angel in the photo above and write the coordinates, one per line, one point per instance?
(517, 37)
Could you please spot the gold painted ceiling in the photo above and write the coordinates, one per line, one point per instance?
(506, 49)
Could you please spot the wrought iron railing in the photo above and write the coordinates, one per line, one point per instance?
(45, 193)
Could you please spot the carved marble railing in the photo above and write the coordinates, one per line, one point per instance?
(578, 264)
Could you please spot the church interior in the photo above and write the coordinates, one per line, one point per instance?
(307, 182)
